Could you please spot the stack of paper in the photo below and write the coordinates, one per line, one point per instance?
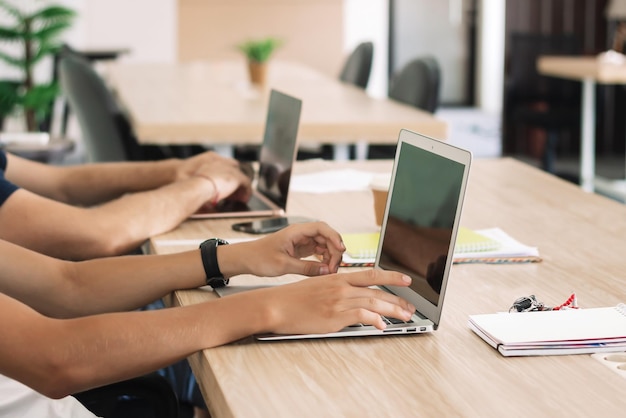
(360, 249)
(572, 331)
(469, 241)
(508, 251)
(493, 246)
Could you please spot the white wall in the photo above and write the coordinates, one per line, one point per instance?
(148, 28)
(368, 20)
(436, 28)
(490, 71)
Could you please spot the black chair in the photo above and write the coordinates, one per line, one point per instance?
(417, 84)
(536, 101)
(105, 128)
(358, 66)
(149, 396)
(356, 71)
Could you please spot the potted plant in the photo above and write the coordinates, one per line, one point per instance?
(258, 52)
(36, 33)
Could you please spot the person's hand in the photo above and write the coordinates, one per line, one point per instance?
(229, 182)
(283, 251)
(330, 303)
(188, 167)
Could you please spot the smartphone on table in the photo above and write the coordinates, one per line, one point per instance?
(268, 225)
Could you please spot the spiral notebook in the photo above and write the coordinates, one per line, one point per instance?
(571, 331)
(360, 249)
(470, 241)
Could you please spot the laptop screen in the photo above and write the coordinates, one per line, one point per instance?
(279, 146)
(424, 204)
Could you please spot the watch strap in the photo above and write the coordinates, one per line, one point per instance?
(208, 252)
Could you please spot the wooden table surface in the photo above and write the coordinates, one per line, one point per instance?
(590, 70)
(450, 372)
(582, 67)
(213, 103)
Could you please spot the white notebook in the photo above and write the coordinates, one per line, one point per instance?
(571, 331)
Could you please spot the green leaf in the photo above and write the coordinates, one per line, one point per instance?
(10, 34)
(9, 97)
(40, 96)
(53, 13)
(16, 62)
(50, 31)
(43, 51)
(260, 50)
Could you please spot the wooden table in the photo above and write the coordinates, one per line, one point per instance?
(213, 103)
(590, 71)
(451, 372)
(50, 152)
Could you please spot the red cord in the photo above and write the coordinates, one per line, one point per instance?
(570, 303)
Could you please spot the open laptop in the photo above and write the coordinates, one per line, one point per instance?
(419, 230)
(276, 157)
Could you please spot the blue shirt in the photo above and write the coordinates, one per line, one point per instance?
(6, 187)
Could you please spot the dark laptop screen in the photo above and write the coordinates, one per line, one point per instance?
(279, 147)
(423, 206)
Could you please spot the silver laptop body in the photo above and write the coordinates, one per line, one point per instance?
(419, 230)
(276, 157)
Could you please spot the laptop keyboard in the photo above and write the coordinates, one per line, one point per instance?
(234, 206)
(388, 321)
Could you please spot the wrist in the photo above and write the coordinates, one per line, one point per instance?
(214, 191)
(208, 252)
(232, 260)
(171, 166)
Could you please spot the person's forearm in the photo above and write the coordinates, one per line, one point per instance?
(92, 184)
(128, 221)
(114, 228)
(65, 289)
(97, 350)
(129, 282)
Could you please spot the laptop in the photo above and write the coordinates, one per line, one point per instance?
(276, 157)
(418, 232)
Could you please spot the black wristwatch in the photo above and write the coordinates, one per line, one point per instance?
(208, 252)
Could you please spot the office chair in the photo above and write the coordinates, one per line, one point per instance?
(417, 84)
(535, 101)
(358, 66)
(106, 129)
(356, 71)
(149, 396)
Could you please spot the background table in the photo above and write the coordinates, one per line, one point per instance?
(451, 372)
(588, 70)
(212, 103)
(51, 152)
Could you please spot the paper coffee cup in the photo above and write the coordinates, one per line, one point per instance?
(380, 189)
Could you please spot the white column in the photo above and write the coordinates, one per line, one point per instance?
(490, 71)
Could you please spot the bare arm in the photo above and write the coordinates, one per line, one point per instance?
(62, 356)
(64, 289)
(115, 227)
(90, 184)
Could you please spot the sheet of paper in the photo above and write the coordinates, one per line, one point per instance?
(331, 181)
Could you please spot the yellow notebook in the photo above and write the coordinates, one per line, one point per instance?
(469, 241)
(361, 245)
